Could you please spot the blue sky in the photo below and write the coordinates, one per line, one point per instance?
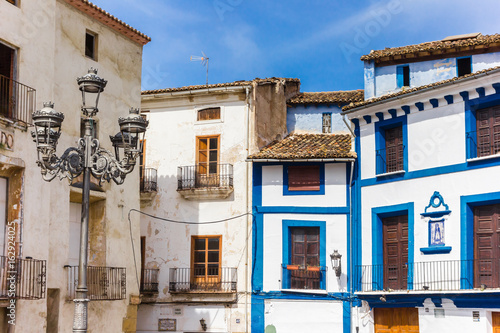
(319, 42)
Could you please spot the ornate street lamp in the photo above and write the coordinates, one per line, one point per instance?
(336, 262)
(88, 158)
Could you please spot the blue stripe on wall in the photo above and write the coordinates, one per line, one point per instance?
(346, 318)
(258, 308)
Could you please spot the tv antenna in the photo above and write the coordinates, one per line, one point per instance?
(204, 61)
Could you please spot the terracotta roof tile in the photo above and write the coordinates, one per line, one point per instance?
(109, 20)
(308, 146)
(411, 90)
(338, 97)
(219, 85)
(462, 43)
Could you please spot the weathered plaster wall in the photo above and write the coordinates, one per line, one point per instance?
(309, 118)
(168, 245)
(50, 38)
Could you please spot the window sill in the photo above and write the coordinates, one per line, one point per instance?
(306, 291)
(394, 173)
(207, 122)
(482, 158)
(435, 249)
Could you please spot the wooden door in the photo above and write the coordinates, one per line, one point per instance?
(486, 246)
(394, 149)
(396, 320)
(305, 253)
(207, 160)
(495, 318)
(143, 258)
(7, 56)
(395, 234)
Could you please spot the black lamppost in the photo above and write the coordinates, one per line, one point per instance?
(88, 158)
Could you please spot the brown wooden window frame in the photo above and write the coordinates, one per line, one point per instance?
(206, 277)
(487, 140)
(207, 167)
(212, 113)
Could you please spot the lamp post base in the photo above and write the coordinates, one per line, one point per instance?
(80, 316)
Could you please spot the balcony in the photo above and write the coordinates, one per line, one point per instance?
(303, 277)
(149, 281)
(149, 181)
(17, 101)
(103, 283)
(450, 275)
(214, 181)
(481, 147)
(29, 276)
(211, 280)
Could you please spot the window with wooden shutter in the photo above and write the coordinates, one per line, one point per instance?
(327, 123)
(488, 131)
(305, 253)
(206, 255)
(394, 158)
(208, 114)
(304, 178)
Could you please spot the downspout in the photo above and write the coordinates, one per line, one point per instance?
(249, 219)
(350, 241)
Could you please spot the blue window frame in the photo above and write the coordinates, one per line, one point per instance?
(319, 191)
(471, 108)
(287, 248)
(382, 155)
(403, 76)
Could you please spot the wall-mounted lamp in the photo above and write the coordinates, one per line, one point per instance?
(336, 262)
(203, 324)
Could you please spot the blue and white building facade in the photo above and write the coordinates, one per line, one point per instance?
(301, 228)
(426, 226)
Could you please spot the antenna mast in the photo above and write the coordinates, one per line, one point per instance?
(204, 61)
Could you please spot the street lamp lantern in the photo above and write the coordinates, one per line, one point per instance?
(48, 124)
(88, 158)
(91, 87)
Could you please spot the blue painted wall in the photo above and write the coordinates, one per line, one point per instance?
(382, 80)
(309, 118)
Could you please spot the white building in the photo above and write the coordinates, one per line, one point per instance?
(425, 231)
(44, 47)
(302, 210)
(196, 235)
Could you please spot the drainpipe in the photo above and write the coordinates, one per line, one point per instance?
(248, 197)
(350, 240)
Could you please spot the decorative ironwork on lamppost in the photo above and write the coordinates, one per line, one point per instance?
(88, 158)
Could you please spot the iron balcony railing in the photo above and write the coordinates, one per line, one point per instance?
(218, 279)
(149, 180)
(17, 101)
(446, 275)
(210, 175)
(149, 280)
(303, 277)
(22, 278)
(390, 160)
(481, 146)
(103, 283)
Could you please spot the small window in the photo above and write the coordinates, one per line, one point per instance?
(403, 76)
(394, 149)
(14, 2)
(304, 178)
(327, 123)
(206, 258)
(208, 114)
(464, 66)
(91, 45)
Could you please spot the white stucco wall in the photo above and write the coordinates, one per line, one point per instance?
(304, 316)
(335, 188)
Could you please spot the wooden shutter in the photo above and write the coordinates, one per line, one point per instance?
(395, 238)
(488, 131)
(305, 252)
(304, 178)
(209, 114)
(394, 149)
(486, 246)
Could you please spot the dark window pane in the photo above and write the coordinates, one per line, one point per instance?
(213, 256)
(213, 243)
(199, 269)
(199, 244)
(213, 143)
(199, 256)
